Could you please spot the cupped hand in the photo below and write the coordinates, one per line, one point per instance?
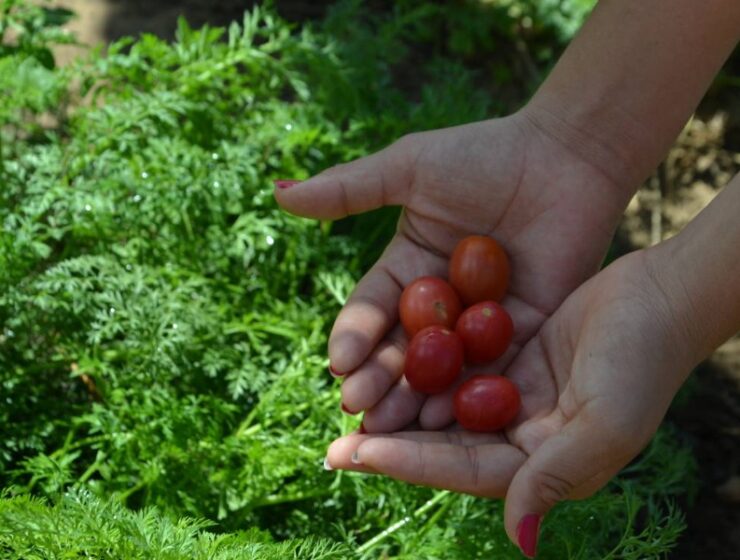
(552, 211)
(596, 380)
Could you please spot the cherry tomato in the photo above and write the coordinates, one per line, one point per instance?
(486, 330)
(434, 359)
(486, 403)
(428, 301)
(479, 270)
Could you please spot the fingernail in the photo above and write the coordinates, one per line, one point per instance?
(347, 410)
(355, 458)
(286, 183)
(361, 429)
(327, 466)
(334, 373)
(527, 533)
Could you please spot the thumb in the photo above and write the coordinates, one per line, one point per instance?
(381, 179)
(572, 464)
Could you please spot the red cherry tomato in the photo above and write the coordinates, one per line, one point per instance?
(486, 403)
(486, 331)
(428, 301)
(479, 270)
(434, 359)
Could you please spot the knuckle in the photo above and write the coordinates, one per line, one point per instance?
(474, 464)
(551, 488)
(421, 466)
(396, 343)
(344, 196)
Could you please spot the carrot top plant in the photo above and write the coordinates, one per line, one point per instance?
(163, 385)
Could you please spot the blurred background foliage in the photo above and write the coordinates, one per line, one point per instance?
(163, 384)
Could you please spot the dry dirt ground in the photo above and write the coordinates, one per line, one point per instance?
(704, 158)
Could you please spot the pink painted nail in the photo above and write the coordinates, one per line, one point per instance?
(527, 533)
(286, 183)
(334, 372)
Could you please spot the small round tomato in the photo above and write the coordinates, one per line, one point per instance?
(434, 359)
(479, 270)
(486, 403)
(428, 301)
(486, 330)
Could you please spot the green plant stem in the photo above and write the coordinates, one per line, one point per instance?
(404, 521)
(92, 469)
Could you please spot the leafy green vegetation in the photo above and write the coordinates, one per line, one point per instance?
(163, 326)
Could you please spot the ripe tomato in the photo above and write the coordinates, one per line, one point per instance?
(486, 330)
(479, 270)
(428, 301)
(434, 359)
(486, 403)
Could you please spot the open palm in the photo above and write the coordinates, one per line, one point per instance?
(553, 212)
(595, 380)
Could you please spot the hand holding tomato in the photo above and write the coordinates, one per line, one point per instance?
(454, 183)
(595, 383)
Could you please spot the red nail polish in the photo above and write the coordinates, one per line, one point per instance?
(527, 533)
(334, 372)
(286, 183)
(361, 429)
(347, 410)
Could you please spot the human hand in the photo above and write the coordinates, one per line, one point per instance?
(595, 382)
(553, 212)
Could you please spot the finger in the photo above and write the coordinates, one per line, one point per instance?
(372, 309)
(372, 380)
(340, 452)
(481, 470)
(452, 437)
(396, 410)
(381, 179)
(587, 451)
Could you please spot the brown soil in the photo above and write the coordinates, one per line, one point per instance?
(102, 21)
(705, 157)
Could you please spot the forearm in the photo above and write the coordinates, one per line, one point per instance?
(630, 79)
(699, 271)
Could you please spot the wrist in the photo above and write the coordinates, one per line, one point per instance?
(674, 306)
(698, 268)
(629, 80)
(604, 138)
(696, 271)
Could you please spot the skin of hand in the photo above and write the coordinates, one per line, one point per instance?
(548, 183)
(553, 212)
(595, 381)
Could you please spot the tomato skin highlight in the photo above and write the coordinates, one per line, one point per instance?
(428, 301)
(486, 330)
(434, 359)
(486, 403)
(479, 270)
